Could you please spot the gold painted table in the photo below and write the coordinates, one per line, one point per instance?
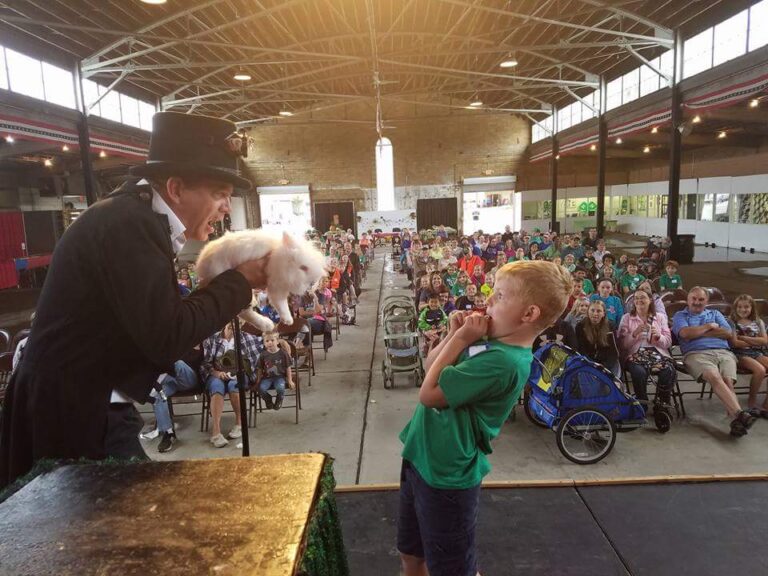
(266, 516)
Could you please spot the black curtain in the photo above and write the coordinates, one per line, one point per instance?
(436, 211)
(324, 213)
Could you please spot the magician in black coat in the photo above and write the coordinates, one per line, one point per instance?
(110, 315)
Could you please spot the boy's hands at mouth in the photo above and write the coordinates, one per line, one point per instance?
(474, 327)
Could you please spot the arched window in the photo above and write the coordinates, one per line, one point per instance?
(385, 175)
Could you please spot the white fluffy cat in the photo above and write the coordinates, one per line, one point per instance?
(293, 267)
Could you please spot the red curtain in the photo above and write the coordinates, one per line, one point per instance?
(11, 246)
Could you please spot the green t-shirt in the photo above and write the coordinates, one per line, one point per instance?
(588, 287)
(450, 279)
(631, 282)
(448, 446)
(459, 290)
(670, 283)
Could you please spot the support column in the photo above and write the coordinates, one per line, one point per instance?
(675, 150)
(602, 149)
(553, 178)
(84, 139)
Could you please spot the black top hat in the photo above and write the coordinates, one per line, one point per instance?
(185, 144)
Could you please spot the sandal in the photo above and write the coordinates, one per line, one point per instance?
(758, 413)
(741, 424)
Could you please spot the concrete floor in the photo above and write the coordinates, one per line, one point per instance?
(348, 414)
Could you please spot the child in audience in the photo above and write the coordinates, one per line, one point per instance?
(614, 308)
(424, 286)
(586, 284)
(474, 379)
(588, 261)
(450, 276)
(460, 287)
(487, 288)
(467, 302)
(578, 291)
(447, 259)
(501, 259)
(750, 345)
(480, 303)
(670, 280)
(519, 255)
(446, 302)
(433, 322)
(533, 251)
(631, 280)
(478, 276)
(599, 253)
(274, 371)
(595, 340)
(509, 249)
(608, 271)
(577, 312)
(621, 265)
(570, 262)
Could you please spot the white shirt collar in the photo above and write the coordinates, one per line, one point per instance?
(160, 206)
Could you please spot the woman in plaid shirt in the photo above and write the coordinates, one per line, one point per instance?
(218, 373)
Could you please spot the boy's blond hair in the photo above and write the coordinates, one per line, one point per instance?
(544, 284)
(272, 334)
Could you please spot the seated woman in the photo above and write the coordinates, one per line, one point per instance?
(219, 376)
(313, 310)
(436, 286)
(750, 345)
(647, 287)
(644, 341)
(595, 340)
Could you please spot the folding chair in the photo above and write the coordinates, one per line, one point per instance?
(5, 341)
(18, 337)
(6, 368)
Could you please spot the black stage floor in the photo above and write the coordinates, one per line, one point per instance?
(696, 529)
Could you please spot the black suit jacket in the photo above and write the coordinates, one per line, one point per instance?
(110, 316)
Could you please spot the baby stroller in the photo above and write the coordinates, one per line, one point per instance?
(401, 340)
(581, 401)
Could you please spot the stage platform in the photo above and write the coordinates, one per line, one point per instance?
(668, 529)
(260, 516)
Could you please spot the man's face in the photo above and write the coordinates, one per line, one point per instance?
(199, 204)
(697, 301)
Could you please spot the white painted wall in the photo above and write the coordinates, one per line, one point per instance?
(732, 235)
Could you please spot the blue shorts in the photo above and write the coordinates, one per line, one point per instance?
(437, 525)
(218, 386)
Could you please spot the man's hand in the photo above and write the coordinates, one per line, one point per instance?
(255, 272)
(475, 327)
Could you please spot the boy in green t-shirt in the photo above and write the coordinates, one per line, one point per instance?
(474, 379)
(631, 278)
(670, 280)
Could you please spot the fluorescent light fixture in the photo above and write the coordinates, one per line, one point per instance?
(285, 113)
(593, 147)
(696, 119)
(646, 150)
(476, 103)
(509, 63)
(754, 103)
(722, 134)
(157, 2)
(9, 139)
(557, 157)
(242, 77)
(102, 154)
(655, 130)
(47, 162)
(65, 148)
(470, 107)
(619, 140)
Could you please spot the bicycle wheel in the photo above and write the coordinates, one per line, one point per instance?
(527, 409)
(586, 435)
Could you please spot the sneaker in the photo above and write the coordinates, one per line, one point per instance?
(236, 432)
(268, 402)
(166, 442)
(741, 424)
(219, 441)
(278, 402)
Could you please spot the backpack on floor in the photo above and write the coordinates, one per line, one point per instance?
(348, 315)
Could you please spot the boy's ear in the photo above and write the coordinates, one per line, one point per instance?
(532, 314)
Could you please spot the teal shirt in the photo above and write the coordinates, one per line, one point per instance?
(670, 283)
(448, 446)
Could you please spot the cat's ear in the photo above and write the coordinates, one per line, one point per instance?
(288, 240)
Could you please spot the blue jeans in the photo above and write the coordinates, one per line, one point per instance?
(185, 379)
(276, 382)
(219, 386)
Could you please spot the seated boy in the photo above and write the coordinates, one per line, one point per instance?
(433, 322)
(631, 278)
(478, 275)
(580, 273)
(467, 302)
(274, 371)
(474, 378)
(480, 303)
(446, 302)
(670, 280)
(450, 276)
